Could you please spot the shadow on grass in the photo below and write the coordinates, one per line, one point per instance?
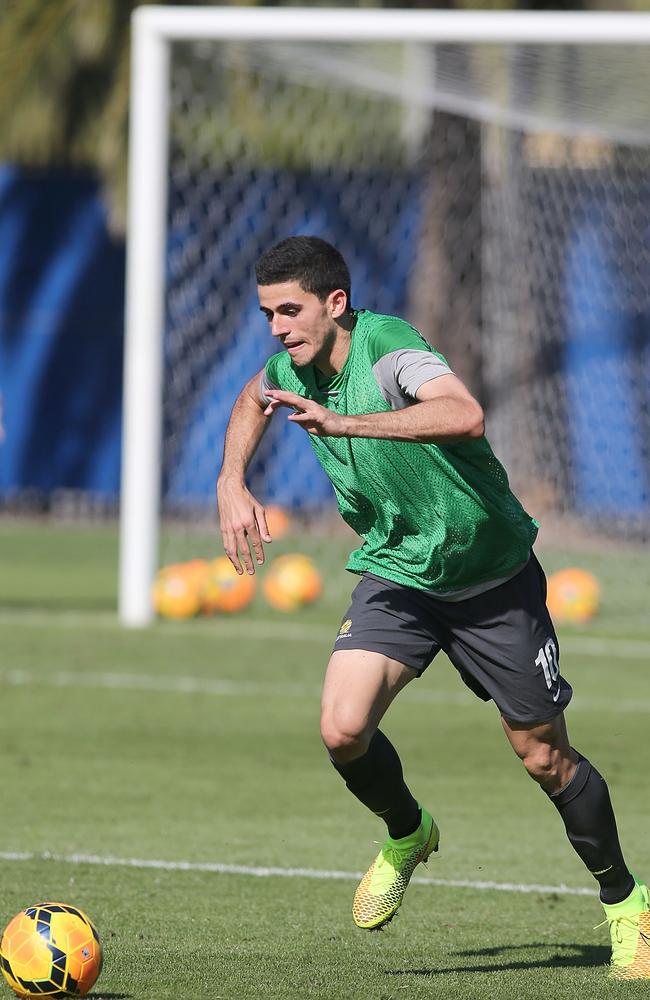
(563, 956)
(110, 996)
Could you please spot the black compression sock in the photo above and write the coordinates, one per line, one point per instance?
(376, 779)
(586, 809)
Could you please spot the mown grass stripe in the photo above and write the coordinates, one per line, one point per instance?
(255, 871)
(224, 688)
(262, 630)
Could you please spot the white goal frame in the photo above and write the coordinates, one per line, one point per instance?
(154, 28)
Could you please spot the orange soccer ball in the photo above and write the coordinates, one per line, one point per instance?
(178, 589)
(278, 521)
(224, 590)
(573, 596)
(291, 582)
(50, 950)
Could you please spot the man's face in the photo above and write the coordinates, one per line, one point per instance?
(303, 324)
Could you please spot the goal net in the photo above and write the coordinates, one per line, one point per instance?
(496, 195)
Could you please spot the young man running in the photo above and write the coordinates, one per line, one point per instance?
(446, 563)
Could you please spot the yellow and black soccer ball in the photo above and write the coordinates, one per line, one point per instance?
(50, 950)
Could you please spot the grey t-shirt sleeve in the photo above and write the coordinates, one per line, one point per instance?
(400, 374)
(266, 383)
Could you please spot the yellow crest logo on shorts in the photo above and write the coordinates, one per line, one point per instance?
(345, 627)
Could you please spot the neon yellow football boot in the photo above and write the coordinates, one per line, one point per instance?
(381, 890)
(629, 927)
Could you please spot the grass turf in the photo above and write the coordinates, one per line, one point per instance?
(108, 749)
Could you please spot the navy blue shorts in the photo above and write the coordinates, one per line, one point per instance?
(502, 642)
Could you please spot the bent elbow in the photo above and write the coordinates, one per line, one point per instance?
(476, 424)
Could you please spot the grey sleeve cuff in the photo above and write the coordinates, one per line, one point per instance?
(401, 373)
(265, 383)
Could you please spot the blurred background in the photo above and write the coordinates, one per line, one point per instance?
(498, 197)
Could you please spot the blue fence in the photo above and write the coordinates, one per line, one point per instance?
(61, 346)
(607, 360)
(61, 335)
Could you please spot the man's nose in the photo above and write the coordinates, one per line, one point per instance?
(279, 326)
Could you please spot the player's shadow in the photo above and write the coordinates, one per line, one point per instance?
(558, 956)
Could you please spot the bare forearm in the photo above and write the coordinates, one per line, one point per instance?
(445, 420)
(245, 430)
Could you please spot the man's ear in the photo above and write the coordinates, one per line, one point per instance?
(338, 303)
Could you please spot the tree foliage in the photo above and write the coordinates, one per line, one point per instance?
(64, 98)
(65, 80)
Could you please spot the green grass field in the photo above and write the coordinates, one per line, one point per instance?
(171, 782)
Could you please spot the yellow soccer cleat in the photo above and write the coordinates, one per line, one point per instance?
(629, 927)
(381, 890)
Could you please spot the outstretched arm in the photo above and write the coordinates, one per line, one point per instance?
(241, 516)
(445, 413)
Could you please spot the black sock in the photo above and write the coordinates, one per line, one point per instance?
(586, 809)
(377, 780)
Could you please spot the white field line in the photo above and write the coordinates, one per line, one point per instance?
(270, 872)
(289, 631)
(227, 627)
(155, 683)
(225, 687)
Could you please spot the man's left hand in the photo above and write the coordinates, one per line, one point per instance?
(311, 416)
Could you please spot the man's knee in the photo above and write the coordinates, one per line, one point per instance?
(345, 735)
(544, 750)
(547, 765)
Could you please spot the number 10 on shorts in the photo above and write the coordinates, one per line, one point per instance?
(547, 660)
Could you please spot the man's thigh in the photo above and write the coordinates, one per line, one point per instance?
(384, 641)
(359, 686)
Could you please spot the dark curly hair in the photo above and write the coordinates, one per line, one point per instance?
(316, 265)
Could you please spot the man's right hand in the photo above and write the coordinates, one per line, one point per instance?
(242, 521)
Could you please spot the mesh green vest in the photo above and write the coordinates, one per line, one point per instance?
(438, 518)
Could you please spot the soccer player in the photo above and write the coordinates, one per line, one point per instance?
(446, 563)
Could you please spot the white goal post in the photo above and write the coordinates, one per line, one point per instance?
(154, 30)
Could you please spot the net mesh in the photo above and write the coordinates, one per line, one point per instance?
(497, 197)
